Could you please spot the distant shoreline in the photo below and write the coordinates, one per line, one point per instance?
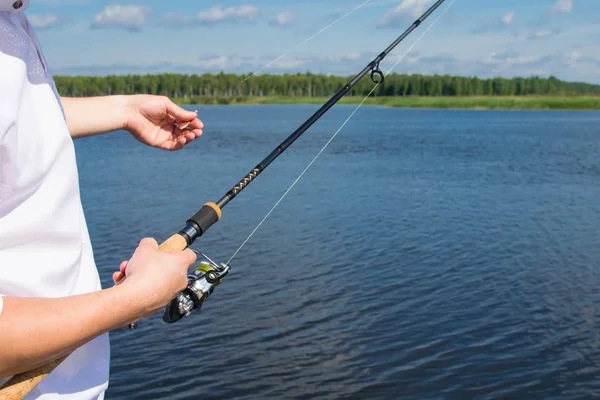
(448, 102)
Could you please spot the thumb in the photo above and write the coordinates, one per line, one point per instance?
(179, 113)
(149, 242)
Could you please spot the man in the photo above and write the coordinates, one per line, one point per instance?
(51, 302)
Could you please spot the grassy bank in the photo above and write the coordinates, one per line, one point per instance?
(471, 102)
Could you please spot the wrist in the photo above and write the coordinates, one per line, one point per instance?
(134, 299)
(124, 110)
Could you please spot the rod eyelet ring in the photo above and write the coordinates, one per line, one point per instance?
(377, 76)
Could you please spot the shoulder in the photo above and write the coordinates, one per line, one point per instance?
(13, 68)
(18, 64)
(19, 52)
(21, 62)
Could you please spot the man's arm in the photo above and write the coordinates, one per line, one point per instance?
(35, 331)
(88, 116)
(153, 120)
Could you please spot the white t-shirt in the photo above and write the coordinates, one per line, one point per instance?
(45, 248)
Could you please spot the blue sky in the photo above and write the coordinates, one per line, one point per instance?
(474, 38)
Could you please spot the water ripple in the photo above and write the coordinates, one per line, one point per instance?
(429, 254)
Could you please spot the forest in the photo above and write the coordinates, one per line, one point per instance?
(309, 85)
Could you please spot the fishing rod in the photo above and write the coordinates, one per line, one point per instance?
(202, 283)
(209, 274)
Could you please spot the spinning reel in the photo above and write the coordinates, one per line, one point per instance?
(201, 283)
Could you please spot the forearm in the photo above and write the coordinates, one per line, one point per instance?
(90, 116)
(34, 331)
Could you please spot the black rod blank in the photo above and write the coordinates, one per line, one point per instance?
(372, 67)
(208, 215)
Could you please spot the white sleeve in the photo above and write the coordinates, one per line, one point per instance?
(12, 76)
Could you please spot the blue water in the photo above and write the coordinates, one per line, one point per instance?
(428, 254)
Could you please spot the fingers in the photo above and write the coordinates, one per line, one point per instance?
(173, 145)
(121, 274)
(176, 145)
(179, 142)
(149, 242)
(190, 131)
(189, 136)
(185, 117)
(185, 124)
(118, 277)
(195, 124)
(197, 133)
(188, 257)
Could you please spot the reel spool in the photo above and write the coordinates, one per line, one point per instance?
(201, 283)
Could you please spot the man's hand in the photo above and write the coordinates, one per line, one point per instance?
(158, 122)
(153, 120)
(38, 330)
(157, 276)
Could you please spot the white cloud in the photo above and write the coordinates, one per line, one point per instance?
(542, 33)
(233, 61)
(352, 56)
(290, 64)
(508, 18)
(217, 14)
(129, 17)
(64, 2)
(216, 62)
(45, 21)
(512, 63)
(411, 8)
(565, 6)
(174, 19)
(571, 59)
(575, 64)
(231, 14)
(495, 25)
(284, 19)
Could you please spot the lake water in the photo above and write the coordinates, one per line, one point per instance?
(428, 254)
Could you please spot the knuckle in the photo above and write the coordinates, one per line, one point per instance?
(191, 256)
(148, 241)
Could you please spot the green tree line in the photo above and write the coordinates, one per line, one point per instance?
(312, 85)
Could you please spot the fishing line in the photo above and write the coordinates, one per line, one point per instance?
(336, 133)
(207, 275)
(306, 40)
